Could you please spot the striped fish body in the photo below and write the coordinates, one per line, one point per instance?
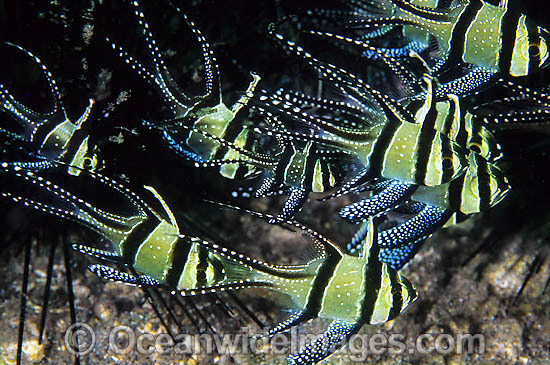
(408, 152)
(349, 288)
(68, 142)
(460, 126)
(481, 187)
(219, 122)
(177, 262)
(358, 292)
(244, 141)
(193, 114)
(213, 121)
(303, 167)
(477, 32)
(187, 264)
(146, 241)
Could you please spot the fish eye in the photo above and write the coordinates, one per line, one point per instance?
(476, 147)
(534, 49)
(201, 275)
(88, 162)
(447, 162)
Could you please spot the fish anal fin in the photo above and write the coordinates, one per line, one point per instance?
(334, 338)
(294, 320)
(108, 273)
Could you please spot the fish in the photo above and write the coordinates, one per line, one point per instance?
(300, 170)
(497, 37)
(483, 186)
(144, 239)
(205, 112)
(385, 142)
(350, 290)
(461, 127)
(50, 135)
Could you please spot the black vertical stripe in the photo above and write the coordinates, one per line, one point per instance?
(446, 150)
(326, 174)
(455, 192)
(425, 145)
(397, 303)
(380, 148)
(327, 270)
(373, 281)
(483, 182)
(476, 128)
(449, 119)
(462, 134)
(309, 169)
(179, 259)
(458, 35)
(201, 267)
(137, 237)
(410, 289)
(509, 27)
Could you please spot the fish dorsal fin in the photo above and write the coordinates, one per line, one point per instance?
(164, 206)
(248, 94)
(54, 90)
(329, 247)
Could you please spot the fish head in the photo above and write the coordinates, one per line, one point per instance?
(485, 186)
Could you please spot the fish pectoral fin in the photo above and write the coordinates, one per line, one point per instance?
(334, 338)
